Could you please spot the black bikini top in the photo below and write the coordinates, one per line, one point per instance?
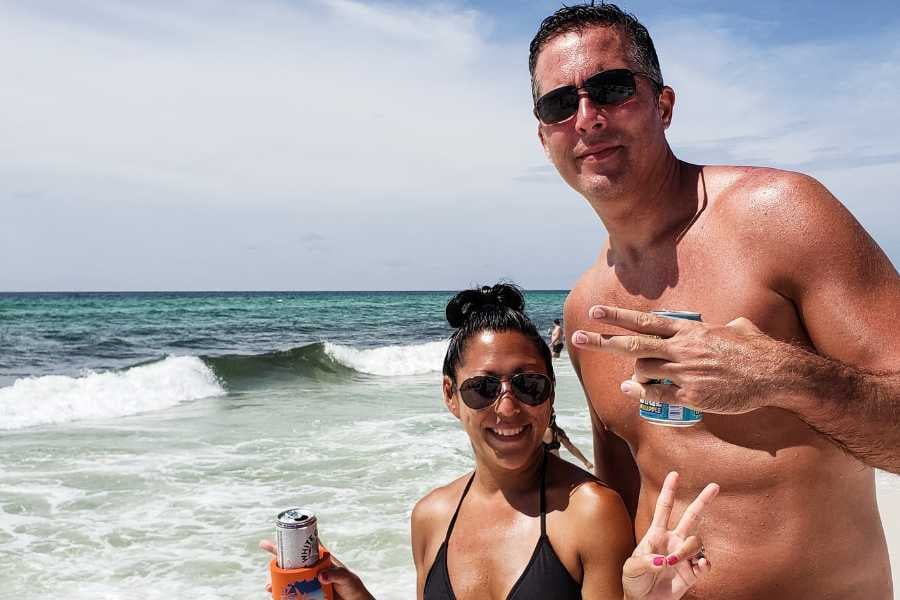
(544, 576)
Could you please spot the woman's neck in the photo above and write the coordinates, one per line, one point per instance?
(511, 483)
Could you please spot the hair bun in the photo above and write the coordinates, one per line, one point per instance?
(465, 304)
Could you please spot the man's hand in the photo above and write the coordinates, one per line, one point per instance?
(667, 562)
(713, 368)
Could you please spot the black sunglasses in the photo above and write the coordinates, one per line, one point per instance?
(482, 391)
(606, 87)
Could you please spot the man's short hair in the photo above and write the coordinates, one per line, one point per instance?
(556, 321)
(582, 16)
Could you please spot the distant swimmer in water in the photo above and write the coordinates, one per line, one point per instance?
(556, 338)
(555, 436)
(526, 524)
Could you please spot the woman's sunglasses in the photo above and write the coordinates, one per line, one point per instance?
(606, 87)
(482, 391)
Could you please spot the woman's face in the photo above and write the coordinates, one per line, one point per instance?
(509, 432)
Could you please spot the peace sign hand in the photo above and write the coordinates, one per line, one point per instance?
(666, 563)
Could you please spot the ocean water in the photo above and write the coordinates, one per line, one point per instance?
(147, 440)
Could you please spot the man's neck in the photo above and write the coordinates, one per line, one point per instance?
(654, 215)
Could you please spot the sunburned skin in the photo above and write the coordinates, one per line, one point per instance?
(797, 517)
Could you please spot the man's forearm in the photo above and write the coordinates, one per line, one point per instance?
(859, 411)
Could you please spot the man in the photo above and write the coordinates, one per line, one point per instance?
(795, 363)
(556, 338)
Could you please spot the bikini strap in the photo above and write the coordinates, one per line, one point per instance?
(543, 499)
(458, 506)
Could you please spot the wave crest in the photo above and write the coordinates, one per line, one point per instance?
(391, 360)
(51, 399)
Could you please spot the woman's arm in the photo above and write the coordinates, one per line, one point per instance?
(605, 539)
(418, 528)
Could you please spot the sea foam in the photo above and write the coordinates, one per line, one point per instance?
(391, 360)
(52, 399)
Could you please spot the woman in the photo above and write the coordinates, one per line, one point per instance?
(526, 524)
(555, 436)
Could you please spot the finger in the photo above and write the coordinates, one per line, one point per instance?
(704, 565)
(648, 369)
(337, 575)
(637, 567)
(688, 548)
(665, 501)
(700, 567)
(268, 546)
(633, 345)
(743, 325)
(694, 511)
(637, 321)
(655, 392)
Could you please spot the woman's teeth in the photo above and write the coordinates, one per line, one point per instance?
(508, 432)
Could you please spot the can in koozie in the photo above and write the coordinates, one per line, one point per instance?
(298, 558)
(671, 415)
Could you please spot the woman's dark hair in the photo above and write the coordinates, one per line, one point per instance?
(497, 308)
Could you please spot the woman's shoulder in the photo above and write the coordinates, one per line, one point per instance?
(436, 508)
(583, 496)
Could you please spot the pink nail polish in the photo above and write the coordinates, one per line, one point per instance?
(672, 560)
(626, 387)
(657, 561)
(597, 312)
(580, 338)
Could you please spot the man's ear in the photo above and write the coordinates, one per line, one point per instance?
(450, 400)
(666, 106)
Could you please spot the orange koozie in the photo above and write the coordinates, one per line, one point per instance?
(302, 583)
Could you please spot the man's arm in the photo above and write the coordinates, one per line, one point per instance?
(861, 410)
(847, 295)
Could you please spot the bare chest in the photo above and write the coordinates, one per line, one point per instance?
(485, 558)
(707, 278)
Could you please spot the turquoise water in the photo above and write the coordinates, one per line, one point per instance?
(147, 440)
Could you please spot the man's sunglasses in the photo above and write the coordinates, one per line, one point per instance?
(606, 87)
(482, 391)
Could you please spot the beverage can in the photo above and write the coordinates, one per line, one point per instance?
(296, 538)
(662, 413)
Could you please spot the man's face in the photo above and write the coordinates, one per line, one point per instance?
(602, 150)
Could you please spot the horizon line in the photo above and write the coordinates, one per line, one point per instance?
(346, 291)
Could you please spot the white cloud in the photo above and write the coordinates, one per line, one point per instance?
(183, 133)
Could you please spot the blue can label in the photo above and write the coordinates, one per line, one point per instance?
(661, 413)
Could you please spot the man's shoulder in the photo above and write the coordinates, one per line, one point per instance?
(761, 191)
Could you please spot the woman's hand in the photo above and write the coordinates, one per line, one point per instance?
(347, 585)
(667, 562)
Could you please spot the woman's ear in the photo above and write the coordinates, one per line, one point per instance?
(449, 390)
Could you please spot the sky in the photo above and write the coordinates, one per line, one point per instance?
(348, 145)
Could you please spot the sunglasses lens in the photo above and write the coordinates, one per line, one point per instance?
(610, 87)
(532, 389)
(480, 392)
(558, 105)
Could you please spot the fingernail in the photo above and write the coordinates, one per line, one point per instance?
(672, 560)
(579, 338)
(627, 387)
(658, 561)
(597, 312)
(323, 577)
